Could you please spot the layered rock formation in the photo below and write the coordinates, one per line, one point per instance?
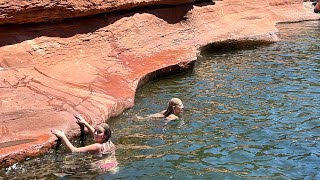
(94, 65)
(26, 11)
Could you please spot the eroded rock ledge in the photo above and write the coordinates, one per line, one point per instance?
(29, 11)
(94, 65)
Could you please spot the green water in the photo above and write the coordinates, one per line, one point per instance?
(251, 113)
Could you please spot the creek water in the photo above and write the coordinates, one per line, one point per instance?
(250, 113)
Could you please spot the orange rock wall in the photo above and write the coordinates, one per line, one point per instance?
(93, 65)
(27, 11)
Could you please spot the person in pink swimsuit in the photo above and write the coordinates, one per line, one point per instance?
(101, 135)
(102, 146)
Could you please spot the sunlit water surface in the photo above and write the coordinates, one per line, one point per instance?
(250, 114)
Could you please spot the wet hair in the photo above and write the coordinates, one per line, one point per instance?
(173, 102)
(107, 131)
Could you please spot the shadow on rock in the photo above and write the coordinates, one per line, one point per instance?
(13, 34)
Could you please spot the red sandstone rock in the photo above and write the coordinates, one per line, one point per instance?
(94, 65)
(27, 11)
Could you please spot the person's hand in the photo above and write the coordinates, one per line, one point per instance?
(80, 120)
(58, 133)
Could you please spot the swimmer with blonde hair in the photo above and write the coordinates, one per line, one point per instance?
(175, 107)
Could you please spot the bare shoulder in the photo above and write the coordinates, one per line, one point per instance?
(112, 146)
(157, 115)
(93, 148)
(108, 148)
(172, 117)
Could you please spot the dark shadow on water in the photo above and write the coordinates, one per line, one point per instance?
(13, 34)
(232, 46)
(166, 72)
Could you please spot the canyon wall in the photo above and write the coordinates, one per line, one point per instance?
(27, 11)
(93, 65)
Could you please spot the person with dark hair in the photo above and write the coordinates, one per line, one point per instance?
(317, 7)
(101, 135)
(174, 108)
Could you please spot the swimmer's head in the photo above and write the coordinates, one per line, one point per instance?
(175, 106)
(102, 133)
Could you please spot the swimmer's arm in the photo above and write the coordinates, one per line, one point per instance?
(90, 128)
(93, 148)
(157, 115)
(83, 122)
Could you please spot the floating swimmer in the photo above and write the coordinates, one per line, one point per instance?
(175, 107)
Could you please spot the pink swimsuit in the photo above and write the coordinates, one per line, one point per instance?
(110, 162)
